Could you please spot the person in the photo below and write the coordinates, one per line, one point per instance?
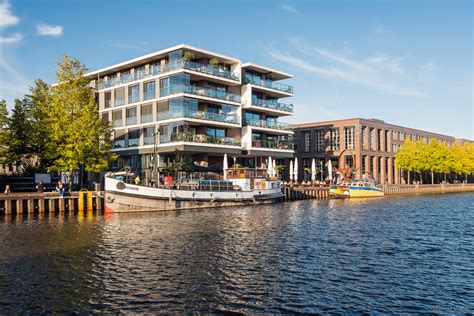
(40, 187)
(60, 188)
(7, 189)
(137, 180)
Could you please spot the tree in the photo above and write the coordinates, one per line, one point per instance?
(20, 143)
(3, 131)
(76, 134)
(404, 158)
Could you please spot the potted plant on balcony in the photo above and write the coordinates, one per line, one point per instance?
(188, 56)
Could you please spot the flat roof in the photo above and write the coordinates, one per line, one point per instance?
(149, 57)
(276, 74)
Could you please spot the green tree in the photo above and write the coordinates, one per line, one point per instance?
(405, 157)
(444, 159)
(3, 131)
(76, 134)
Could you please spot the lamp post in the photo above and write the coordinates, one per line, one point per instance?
(155, 174)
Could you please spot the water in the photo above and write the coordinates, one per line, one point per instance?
(409, 254)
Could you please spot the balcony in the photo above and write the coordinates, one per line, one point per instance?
(211, 93)
(272, 144)
(272, 104)
(162, 69)
(209, 116)
(199, 138)
(270, 124)
(269, 84)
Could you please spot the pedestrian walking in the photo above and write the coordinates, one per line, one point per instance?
(40, 187)
(60, 188)
(7, 189)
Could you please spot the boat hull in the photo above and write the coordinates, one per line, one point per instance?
(364, 192)
(338, 192)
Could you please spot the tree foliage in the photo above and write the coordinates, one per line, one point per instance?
(3, 131)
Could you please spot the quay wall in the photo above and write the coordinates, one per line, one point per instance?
(50, 202)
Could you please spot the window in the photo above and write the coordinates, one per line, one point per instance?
(146, 113)
(119, 96)
(371, 138)
(252, 118)
(149, 90)
(379, 137)
(140, 73)
(319, 133)
(108, 99)
(133, 138)
(131, 116)
(133, 93)
(363, 164)
(119, 139)
(394, 148)
(148, 135)
(350, 137)
(400, 134)
(334, 139)
(165, 87)
(216, 132)
(307, 141)
(394, 135)
(105, 117)
(117, 118)
(362, 136)
(306, 165)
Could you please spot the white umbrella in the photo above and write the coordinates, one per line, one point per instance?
(291, 170)
(270, 166)
(296, 169)
(225, 166)
(330, 170)
(313, 170)
(274, 172)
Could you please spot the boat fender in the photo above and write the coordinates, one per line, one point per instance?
(213, 200)
(254, 200)
(110, 199)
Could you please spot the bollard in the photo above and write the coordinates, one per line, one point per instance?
(41, 205)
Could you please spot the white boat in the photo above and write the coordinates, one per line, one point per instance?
(243, 186)
(361, 188)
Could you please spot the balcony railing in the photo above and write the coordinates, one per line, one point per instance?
(162, 69)
(199, 138)
(211, 93)
(272, 104)
(272, 144)
(209, 116)
(266, 83)
(270, 124)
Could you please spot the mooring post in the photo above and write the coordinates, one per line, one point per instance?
(61, 204)
(41, 205)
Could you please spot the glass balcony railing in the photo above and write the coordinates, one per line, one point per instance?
(272, 104)
(211, 93)
(162, 69)
(272, 144)
(209, 116)
(270, 124)
(199, 138)
(270, 84)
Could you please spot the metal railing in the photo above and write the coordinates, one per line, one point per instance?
(266, 83)
(270, 124)
(202, 115)
(273, 144)
(201, 91)
(272, 104)
(199, 138)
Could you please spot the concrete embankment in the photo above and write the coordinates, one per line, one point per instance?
(50, 202)
(303, 193)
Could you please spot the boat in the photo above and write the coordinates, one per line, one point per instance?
(361, 188)
(242, 186)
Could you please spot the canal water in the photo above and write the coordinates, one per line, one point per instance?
(395, 254)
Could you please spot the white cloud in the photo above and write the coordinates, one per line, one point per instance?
(379, 72)
(6, 17)
(380, 29)
(288, 8)
(49, 30)
(12, 39)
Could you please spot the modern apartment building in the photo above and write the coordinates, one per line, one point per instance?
(373, 143)
(194, 105)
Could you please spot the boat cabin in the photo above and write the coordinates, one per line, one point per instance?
(251, 179)
(246, 173)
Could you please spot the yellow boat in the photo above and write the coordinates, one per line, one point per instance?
(362, 188)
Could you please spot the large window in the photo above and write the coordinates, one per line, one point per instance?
(148, 135)
(379, 137)
(371, 138)
(149, 90)
(108, 99)
(334, 140)
(119, 96)
(216, 132)
(306, 141)
(131, 116)
(117, 118)
(133, 93)
(251, 117)
(362, 137)
(119, 139)
(350, 137)
(105, 116)
(319, 133)
(394, 135)
(146, 113)
(394, 148)
(133, 138)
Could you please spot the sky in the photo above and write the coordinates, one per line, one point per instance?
(408, 63)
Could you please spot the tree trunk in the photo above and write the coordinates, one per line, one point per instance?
(432, 177)
(408, 177)
(71, 179)
(445, 177)
(421, 178)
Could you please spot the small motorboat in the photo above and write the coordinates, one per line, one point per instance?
(361, 188)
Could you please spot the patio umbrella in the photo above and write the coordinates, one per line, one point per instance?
(313, 170)
(291, 170)
(296, 169)
(330, 171)
(274, 170)
(270, 167)
(225, 167)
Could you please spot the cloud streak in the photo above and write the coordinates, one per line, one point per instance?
(288, 8)
(6, 17)
(380, 72)
(49, 30)
(11, 39)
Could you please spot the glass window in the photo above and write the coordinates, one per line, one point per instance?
(108, 99)
(119, 139)
(334, 140)
(146, 113)
(133, 93)
(149, 90)
(394, 148)
(119, 96)
(133, 138)
(394, 135)
(350, 137)
(362, 136)
(307, 141)
(148, 135)
(117, 118)
(319, 133)
(165, 87)
(216, 132)
(105, 116)
(371, 138)
(254, 117)
(131, 116)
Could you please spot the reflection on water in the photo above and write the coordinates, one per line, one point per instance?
(384, 255)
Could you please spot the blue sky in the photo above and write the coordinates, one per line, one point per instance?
(405, 62)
